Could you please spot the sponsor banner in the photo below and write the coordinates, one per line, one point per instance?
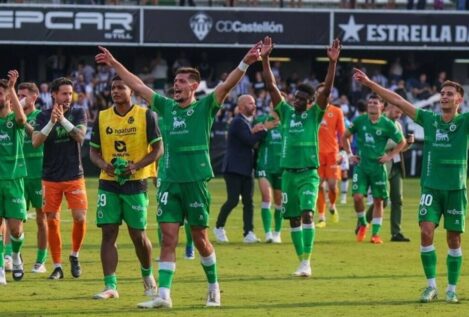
(399, 30)
(66, 24)
(295, 29)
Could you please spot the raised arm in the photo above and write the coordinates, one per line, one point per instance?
(388, 95)
(333, 53)
(15, 103)
(133, 81)
(269, 78)
(223, 89)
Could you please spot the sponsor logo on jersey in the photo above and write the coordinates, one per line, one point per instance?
(131, 120)
(369, 138)
(454, 212)
(179, 123)
(196, 204)
(122, 131)
(137, 208)
(378, 132)
(4, 137)
(276, 135)
(17, 200)
(453, 127)
(9, 124)
(441, 136)
(120, 146)
(296, 124)
(380, 183)
(308, 192)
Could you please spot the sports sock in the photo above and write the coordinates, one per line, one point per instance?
(297, 238)
(278, 219)
(266, 216)
(308, 240)
(454, 263)
(376, 226)
(188, 232)
(41, 256)
(146, 272)
(2, 250)
(165, 278)
(8, 248)
(344, 186)
(321, 204)
(209, 263)
(110, 281)
(55, 240)
(78, 234)
(16, 243)
(428, 257)
(362, 218)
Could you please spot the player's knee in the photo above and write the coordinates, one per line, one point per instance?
(307, 217)
(295, 222)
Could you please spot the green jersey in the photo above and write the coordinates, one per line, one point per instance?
(12, 164)
(300, 135)
(270, 148)
(186, 137)
(33, 156)
(373, 137)
(444, 150)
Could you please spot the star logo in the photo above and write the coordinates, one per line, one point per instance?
(351, 30)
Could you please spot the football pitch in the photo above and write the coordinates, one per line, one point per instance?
(349, 278)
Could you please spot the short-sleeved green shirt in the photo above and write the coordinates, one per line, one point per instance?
(300, 135)
(373, 137)
(12, 163)
(444, 151)
(32, 155)
(186, 137)
(270, 148)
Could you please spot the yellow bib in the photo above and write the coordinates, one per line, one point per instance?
(125, 137)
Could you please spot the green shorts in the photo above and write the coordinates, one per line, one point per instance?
(275, 179)
(112, 208)
(299, 192)
(376, 178)
(450, 203)
(33, 192)
(12, 202)
(179, 201)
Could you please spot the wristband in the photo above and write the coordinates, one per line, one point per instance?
(47, 128)
(68, 126)
(243, 66)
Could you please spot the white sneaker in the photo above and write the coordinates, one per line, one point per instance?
(251, 238)
(157, 302)
(276, 238)
(149, 286)
(220, 235)
(213, 298)
(39, 268)
(269, 237)
(8, 263)
(304, 270)
(106, 294)
(18, 269)
(3, 280)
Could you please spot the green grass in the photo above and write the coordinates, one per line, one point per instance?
(349, 279)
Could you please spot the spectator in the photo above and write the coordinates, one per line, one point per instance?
(258, 83)
(181, 61)
(420, 4)
(45, 97)
(396, 70)
(159, 71)
(422, 89)
(438, 82)
(205, 68)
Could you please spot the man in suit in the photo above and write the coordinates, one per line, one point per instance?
(238, 168)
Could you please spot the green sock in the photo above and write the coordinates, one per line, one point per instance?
(158, 232)
(209, 263)
(17, 243)
(187, 230)
(429, 263)
(146, 272)
(2, 249)
(8, 249)
(110, 281)
(453, 263)
(166, 274)
(297, 238)
(308, 240)
(266, 219)
(362, 220)
(375, 228)
(41, 256)
(278, 219)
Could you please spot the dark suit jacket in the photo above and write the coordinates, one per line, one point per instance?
(239, 157)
